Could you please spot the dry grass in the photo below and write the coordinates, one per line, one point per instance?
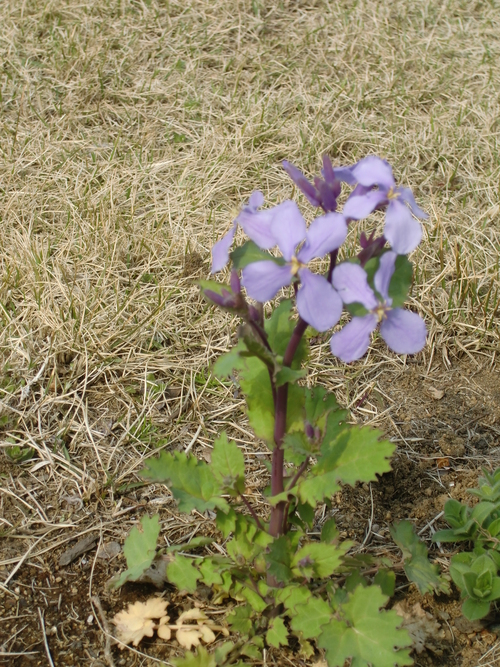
(131, 131)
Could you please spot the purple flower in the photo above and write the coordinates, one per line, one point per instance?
(317, 301)
(403, 331)
(323, 193)
(254, 223)
(402, 231)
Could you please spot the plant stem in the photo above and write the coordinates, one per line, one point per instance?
(288, 488)
(333, 261)
(261, 334)
(277, 482)
(252, 512)
(298, 473)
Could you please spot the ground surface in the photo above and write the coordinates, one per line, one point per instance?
(131, 132)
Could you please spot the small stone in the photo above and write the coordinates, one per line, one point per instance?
(58, 580)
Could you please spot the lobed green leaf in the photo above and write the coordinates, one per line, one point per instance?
(139, 550)
(365, 633)
(192, 482)
(228, 465)
(182, 573)
(417, 566)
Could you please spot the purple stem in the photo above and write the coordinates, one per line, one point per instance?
(333, 261)
(252, 512)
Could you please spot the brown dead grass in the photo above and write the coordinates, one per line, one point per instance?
(131, 132)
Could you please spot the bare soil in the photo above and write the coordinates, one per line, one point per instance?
(446, 425)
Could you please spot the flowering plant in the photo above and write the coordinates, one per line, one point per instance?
(291, 584)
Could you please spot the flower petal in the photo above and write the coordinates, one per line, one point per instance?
(262, 280)
(351, 282)
(403, 232)
(351, 342)
(301, 182)
(317, 302)
(359, 206)
(407, 196)
(404, 331)
(220, 251)
(325, 234)
(384, 274)
(372, 170)
(288, 227)
(255, 200)
(257, 225)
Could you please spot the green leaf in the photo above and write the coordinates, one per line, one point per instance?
(309, 618)
(247, 542)
(278, 559)
(221, 652)
(226, 523)
(483, 511)
(211, 569)
(354, 580)
(252, 651)
(139, 550)
(306, 512)
(318, 559)
(291, 596)
(297, 447)
(241, 619)
(254, 599)
(195, 543)
(313, 488)
(319, 403)
(448, 535)
(455, 513)
(366, 633)
(329, 531)
(192, 482)
(386, 579)
(250, 252)
(279, 328)
(417, 566)
(202, 658)
(228, 465)
(182, 573)
(19, 454)
(230, 361)
(475, 609)
(356, 454)
(356, 309)
(277, 634)
(286, 374)
(256, 385)
(255, 348)
(401, 281)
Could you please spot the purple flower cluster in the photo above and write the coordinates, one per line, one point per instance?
(320, 299)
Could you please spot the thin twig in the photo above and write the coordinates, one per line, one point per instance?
(107, 631)
(45, 642)
(370, 521)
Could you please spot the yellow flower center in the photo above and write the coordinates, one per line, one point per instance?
(380, 311)
(392, 194)
(296, 265)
